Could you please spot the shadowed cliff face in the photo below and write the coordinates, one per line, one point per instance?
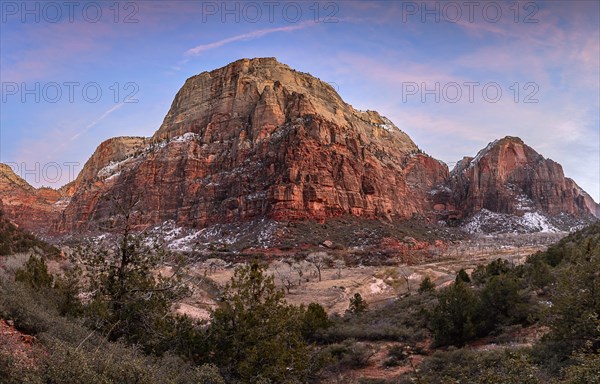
(259, 140)
(510, 177)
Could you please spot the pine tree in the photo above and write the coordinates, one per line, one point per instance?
(254, 333)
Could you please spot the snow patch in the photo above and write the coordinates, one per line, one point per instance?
(259, 233)
(524, 203)
(486, 221)
(388, 125)
(482, 153)
(113, 168)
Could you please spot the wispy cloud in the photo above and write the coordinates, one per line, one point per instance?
(96, 121)
(197, 50)
(104, 115)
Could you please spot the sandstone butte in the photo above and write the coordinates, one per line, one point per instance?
(259, 140)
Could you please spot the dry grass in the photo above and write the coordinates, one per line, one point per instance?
(377, 285)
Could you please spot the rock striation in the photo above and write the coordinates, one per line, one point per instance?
(509, 176)
(258, 140)
(30, 208)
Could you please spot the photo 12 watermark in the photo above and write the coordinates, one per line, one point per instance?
(470, 91)
(469, 11)
(69, 91)
(69, 11)
(46, 173)
(270, 11)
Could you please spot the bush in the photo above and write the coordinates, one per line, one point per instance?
(463, 276)
(350, 353)
(585, 370)
(476, 367)
(255, 333)
(500, 304)
(313, 319)
(357, 304)
(403, 320)
(454, 319)
(539, 275)
(35, 273)
(20, 304)
(396, 355)
(426, 285)
(127, 300)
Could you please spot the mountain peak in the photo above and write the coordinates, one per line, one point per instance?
(9, 179)
(510, 139)
(256, 140)
(259, 96)
(510, 177)
(225, 98)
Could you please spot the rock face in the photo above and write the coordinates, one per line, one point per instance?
(258, 140)
(30, 208)
(510, 177)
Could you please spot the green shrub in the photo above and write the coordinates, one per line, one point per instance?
(585, 370)
(454, 319)
(357, 304)
(477, 367)
(313, 319)
(426, 285)
(500, 303)
(127, 300)
(463, 276)
(255, 333)
(350, 354)
(35, 273)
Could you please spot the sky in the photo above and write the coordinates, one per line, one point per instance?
(453, 75)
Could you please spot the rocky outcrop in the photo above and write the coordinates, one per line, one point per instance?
(510, 177)
(107, 156)
(30, 208)
(257, 139)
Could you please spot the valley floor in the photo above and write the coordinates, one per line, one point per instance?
(378, 285)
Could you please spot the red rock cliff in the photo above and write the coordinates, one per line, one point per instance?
(31, 208)
(257, 139)
(510, 177)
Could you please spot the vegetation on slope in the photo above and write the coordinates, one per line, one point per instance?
(110, 321)
(15, 240)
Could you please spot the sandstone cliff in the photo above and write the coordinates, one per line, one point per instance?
(508, 176)
(256, 139)
(31, 208)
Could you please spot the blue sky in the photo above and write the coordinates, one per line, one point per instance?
(378, 55)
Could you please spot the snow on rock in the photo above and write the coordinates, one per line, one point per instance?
(440, 188)
(186, 137)
(537, 222)
(259, 233)
(524, 203)
(483, 152)
(388, 125)
(113, 168)
(486, 221)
